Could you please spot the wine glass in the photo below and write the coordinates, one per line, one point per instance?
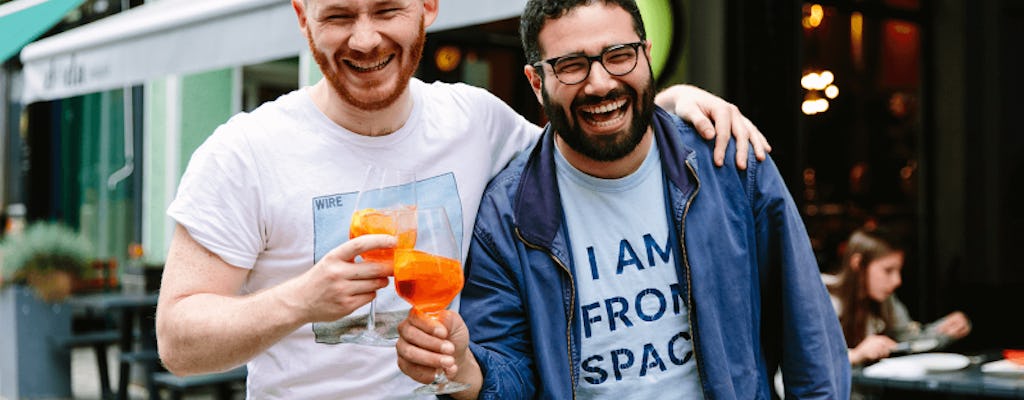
(386, 204)
(429, 276)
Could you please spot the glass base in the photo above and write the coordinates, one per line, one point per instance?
(370, 340)
(442, 388)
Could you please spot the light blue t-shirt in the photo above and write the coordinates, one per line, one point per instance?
(635, 336)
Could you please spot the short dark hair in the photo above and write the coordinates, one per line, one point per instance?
(538, 12)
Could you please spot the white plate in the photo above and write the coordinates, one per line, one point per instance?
(1002, 367)
(936, 361)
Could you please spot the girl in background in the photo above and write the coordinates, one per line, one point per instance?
(872, 318)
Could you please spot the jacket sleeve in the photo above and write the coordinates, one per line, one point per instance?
(800, 327)
(493, 308)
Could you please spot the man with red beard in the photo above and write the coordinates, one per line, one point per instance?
(260, 271)
(614, 261)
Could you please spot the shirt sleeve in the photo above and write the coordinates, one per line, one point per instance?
(218, 198)
(903, 327)
(509, 132)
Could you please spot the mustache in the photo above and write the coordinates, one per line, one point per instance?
(353, 55)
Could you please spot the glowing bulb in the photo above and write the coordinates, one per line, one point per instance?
(808, 107)
(832, 91)
(809, 81)
(826, 79)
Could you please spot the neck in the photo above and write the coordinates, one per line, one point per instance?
(380, 122)
(608, 169)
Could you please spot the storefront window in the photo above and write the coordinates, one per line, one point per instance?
(861, 120)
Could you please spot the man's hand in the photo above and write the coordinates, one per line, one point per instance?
(425, 345)
(715, 118)
(337, 285)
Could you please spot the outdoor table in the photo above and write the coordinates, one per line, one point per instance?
(970, 381)
(130, 308)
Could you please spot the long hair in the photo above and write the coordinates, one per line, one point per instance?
(856, 307)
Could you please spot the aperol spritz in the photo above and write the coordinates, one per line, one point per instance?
(429, 276)
(386, 204)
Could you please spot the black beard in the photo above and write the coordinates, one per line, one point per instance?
(607, 148)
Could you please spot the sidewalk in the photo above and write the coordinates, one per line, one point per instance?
(85, 381)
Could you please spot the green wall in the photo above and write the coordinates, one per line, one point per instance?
(206, 102)
(180, 114)
(156, 192)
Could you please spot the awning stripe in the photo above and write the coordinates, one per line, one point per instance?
(22, 21)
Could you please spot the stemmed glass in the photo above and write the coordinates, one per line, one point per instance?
(386, 204)
(429, 276)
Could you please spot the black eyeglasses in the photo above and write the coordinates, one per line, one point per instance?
(618, 60)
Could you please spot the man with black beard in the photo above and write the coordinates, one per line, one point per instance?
(260, 271)
(614, 261)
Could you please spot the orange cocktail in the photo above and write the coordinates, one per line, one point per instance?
(400, 223)
(427, 281)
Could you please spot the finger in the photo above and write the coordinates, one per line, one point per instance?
(723, 131)
(349, 250)
(705, 128)
(422, 338)
(428, 325)
(422, 356)
(361, 287)
(451, 322)
(414, 369)
(368, 271)
(757, 139)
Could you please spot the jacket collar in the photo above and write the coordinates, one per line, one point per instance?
(538, 203)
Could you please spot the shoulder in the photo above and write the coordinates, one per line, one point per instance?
(248, 136)
(457, 94)
(282, 111)
(505, 184)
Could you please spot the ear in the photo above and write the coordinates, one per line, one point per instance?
(429, 12)
(300, 13)
(536, 83)
(647, 47)
(855, 260)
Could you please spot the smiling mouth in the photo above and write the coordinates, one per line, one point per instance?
(605, 113)
(364, 66)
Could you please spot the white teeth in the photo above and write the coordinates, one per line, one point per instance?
(370, 67)
(604, 108)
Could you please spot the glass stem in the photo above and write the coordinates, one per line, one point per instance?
(371, 323)
(440, 379)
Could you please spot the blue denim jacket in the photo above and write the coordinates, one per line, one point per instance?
(756, 299)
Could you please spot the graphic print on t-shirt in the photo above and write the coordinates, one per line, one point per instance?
(332, 215)
(635, 333)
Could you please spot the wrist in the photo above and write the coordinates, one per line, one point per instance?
(469, 372)
(291, 307)
(854, 356)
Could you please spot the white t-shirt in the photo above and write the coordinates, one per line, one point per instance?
(273, 191)
(635, 336)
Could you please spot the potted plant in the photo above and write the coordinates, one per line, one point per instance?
(37, 267)
(48, 257)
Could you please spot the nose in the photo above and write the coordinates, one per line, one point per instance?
(365, 36)
(599, 82)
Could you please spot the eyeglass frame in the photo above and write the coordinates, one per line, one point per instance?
(599, 58)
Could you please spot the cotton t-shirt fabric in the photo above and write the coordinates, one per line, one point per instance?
(273, 191)
(635, 339)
